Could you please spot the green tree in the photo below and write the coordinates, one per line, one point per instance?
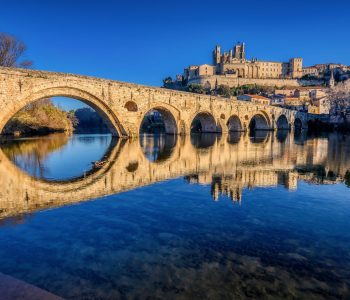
(196, 88)
(167, 81)
(224, 90)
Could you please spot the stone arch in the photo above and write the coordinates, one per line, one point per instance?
(234, 124)
(282, 123)
(111, 119)
(204, 122)
(131, 106)
(168, 117)
(259, 122)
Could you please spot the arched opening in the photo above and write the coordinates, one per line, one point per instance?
(131, 106)
(234, 124)
(68, 139)
(158, 148)
(59, 114)
(282, 123)
(258, 122)
(158, 120)
(204, 123)
(298, 125)
(69, 94)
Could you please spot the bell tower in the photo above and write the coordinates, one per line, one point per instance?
(239, 51)
(217, 55)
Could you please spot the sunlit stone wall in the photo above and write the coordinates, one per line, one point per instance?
(123, 105)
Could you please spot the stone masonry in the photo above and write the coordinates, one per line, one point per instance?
(124, 105)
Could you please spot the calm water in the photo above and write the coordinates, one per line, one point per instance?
(200, 217)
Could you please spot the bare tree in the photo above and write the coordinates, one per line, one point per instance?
(339, 99)
(11, 50)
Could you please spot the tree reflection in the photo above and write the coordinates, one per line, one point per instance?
(33, 152)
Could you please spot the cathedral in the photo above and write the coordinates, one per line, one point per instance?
(235, 64)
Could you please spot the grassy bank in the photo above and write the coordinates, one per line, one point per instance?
(39, 118)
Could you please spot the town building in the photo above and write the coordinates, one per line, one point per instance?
(258, 99)
(324, 70)
(311, 71)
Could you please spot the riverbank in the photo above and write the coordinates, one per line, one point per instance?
(39, 119)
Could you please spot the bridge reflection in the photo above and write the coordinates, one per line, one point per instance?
(229, 163)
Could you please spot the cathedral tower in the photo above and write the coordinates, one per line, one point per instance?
(217, 55)
(239, 51)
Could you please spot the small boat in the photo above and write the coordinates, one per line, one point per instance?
(99, 164)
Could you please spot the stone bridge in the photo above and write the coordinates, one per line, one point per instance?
(232, 162)
(124, 105)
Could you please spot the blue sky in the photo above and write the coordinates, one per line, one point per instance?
(144, 41)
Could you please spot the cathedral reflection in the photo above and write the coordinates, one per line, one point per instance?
(228, 164)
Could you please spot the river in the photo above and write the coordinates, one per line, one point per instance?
(165, 217)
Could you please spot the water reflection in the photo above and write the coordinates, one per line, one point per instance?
(229, 165)
(234, 137)
(203, 140)
(158, 147)
(288, 237)
(57, 156)
(30, 154)
(258, 136)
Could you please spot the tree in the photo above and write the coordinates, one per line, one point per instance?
(196, 88)
(339, 99)
(224, 90)
(167, 81)
(11, 51)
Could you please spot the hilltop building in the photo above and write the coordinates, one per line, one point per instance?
(325, 70)
(235, 64)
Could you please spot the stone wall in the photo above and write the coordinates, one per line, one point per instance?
(124, 105)
(233, 81)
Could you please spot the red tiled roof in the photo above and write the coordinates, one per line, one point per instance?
(258, 97)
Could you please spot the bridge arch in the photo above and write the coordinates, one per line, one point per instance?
(204, 122)
(234, 124)
(282, 123)
(259, 121)
(168, 115)
(111, 119)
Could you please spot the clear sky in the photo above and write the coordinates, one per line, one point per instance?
(144, 41)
